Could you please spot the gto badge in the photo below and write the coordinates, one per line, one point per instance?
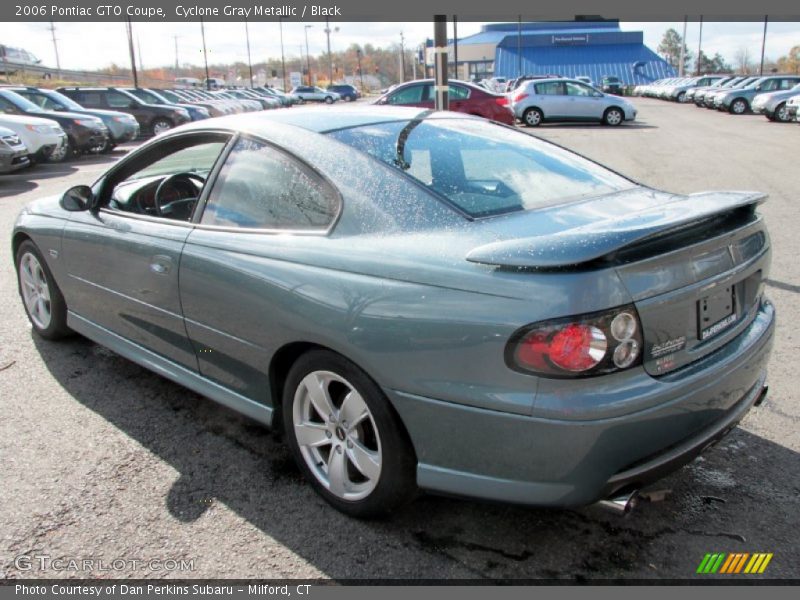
(668, 347)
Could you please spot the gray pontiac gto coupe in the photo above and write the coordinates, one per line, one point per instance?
(420, 300)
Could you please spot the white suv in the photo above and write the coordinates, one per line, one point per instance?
(44, 138)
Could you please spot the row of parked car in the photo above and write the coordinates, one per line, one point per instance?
(608, 84)
(532, 102)
(777, 97)
(39, 124)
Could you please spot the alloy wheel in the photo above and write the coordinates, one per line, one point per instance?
(337, 435)
(161, 126)
(781, 114)
(614, 117)
(738, 107)
(533, 117)
(35, 290)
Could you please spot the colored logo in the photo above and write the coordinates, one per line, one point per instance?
(736, 563)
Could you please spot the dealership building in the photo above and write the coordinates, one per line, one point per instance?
(566, 48)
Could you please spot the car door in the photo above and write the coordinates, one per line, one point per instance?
(459, 99)
(115, 100)
(581, 101)
(551, 98)
(416, 94)
(122, 260)
(239, 282)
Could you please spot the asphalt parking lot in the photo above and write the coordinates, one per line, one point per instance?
(103, 459)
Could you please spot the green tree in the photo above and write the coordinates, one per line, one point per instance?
(670, 48)
(715, 64)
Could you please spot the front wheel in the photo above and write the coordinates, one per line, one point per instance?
(328, 100)
(781, 114)
(532, 117)
(345, 436)
(44, 304)
(681, 97)
(738, 106)
(613, 117)
(348, 99)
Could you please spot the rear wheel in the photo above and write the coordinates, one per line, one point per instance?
(532, 117)
(328, 100)
(40, 295)
(345, 436)
(348, 98)
(613, 116)
(681, 97)
(161, 125)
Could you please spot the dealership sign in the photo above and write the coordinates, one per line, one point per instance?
(570, 39)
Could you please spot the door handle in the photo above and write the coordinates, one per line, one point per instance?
(160, 264)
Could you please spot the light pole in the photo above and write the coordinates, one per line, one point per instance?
(402, 58)
(308, 56)
(763, 46)
(283, 60)
(330, 56)
(249, 60)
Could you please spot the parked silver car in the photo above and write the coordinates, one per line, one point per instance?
(309, 93)
(793, 109)
(13, 153)
(677, 92)
(542, 100)
(773, 105)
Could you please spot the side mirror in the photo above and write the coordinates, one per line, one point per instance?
(77, 199)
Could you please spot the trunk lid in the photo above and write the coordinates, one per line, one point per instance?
(693, 265)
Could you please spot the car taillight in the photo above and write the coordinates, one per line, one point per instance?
(580, 346)
(501, 100)
(520, 97)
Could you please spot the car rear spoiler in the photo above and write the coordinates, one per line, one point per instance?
(600, 239)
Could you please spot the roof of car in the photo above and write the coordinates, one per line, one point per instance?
(325, 120)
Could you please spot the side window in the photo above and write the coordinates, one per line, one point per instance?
(458, 92)
(409, 95)
(90, 99)
(117, 100)
(787, 84)
(7, 107)
(550, 88)
(575, 89)
(263, 188)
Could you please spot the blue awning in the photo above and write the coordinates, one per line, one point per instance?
(633, 63)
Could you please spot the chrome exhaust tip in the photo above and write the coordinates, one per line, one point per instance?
(621, 504)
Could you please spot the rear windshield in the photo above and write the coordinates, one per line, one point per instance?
(481, 168)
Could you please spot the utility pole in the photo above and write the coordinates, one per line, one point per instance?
(205, 53)
(440, 61)
(402, 58)
(519, 45)
(360, 72)
(683, 46)
(129, 29)
(308, 56)
(763, 46)
(700, 45)
(177, 63)
(455, 46)
(55, 47)
(249, 60)
(283, 59)
(139, 53)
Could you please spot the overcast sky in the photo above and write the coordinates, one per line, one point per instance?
(94, 45)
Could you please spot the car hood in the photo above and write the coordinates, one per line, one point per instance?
(582, 232)
(46, 114)
(98, 112)
(11, 120)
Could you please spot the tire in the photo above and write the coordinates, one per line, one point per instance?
(613, 116)
(385, 479)
(780, 114)
(681, 98)
(328, 100)
(44, 304)
(68, 151)
(738, 106)
(348, 99)
(532, 117)
(160, 125)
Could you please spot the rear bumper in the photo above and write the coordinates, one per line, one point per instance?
(568, 461)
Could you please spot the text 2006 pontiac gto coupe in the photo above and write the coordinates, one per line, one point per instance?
(421, 300)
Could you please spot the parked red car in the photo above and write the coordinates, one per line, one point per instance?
(464, 97)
